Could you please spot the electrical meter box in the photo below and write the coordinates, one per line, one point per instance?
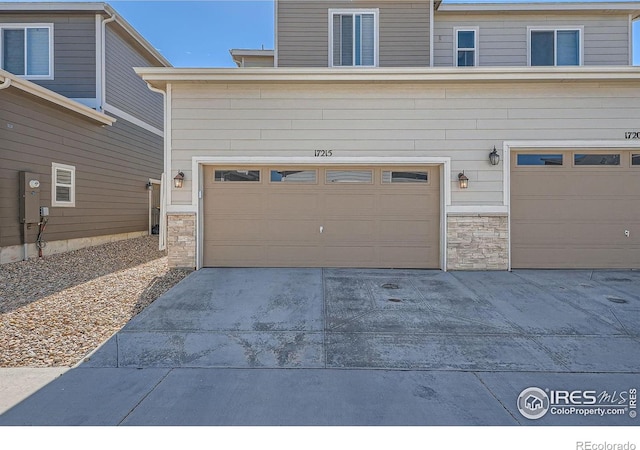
(29, 197)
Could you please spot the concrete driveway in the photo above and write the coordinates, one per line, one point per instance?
(363, 347)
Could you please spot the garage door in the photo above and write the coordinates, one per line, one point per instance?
(321, 217)
(575, 209)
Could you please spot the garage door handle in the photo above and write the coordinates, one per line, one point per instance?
(321, 229)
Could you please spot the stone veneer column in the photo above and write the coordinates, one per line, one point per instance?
(477, 242)
(181, 240)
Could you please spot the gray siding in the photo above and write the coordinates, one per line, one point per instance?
(303, 32)
(113, 164)
(503, 38)
(74, 52)
(125, 89)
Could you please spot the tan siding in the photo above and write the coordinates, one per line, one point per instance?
(463, 122)
(125, 89)
(303, 28)
(503, 39)
(74, 52)
(112, 164)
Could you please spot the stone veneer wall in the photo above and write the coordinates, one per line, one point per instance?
(181, 240)
(477, 242)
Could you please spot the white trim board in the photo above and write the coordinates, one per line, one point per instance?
(134, 120)
(196, 185)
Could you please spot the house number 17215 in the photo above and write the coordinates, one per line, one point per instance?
(632, 135)
(323, 153)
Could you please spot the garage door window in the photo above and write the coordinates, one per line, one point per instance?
(635, 160)
(294, 176)
(389, 176)
(349, 176)
(237, 175)
(539, 160)
(596, 160)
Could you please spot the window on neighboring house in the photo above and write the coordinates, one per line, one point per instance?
(63, 185)
(353, 38)
(555, 47)
(466, 47)
(26, 50)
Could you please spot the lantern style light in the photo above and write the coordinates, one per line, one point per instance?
(178, 180)
(494, 158)
(463, 180)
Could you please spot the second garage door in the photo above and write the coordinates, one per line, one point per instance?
(321, 217)
(575, 209)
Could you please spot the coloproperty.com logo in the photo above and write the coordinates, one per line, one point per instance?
(535, 403)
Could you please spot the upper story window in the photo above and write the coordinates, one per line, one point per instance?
(555, 46)
(27, 50)
(353, 37)
(466, 47)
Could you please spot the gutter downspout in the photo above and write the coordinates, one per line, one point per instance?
(103, 44)
(162, 232)
(431, 33)
(5, 84)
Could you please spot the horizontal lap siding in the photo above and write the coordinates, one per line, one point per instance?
(463, 122)
(74, 52)
(503, 40)
(124, 88)
(112, 165)
(303, 28)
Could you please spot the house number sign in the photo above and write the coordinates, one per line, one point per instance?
(322, 153)
(632, 135)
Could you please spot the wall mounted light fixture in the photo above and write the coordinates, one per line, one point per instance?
(149, 186)
(463, 180)
(178, 180)
(494, 158)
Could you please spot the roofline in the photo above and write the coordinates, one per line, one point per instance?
(160, 77)
(95, 7)
(631, 7)
(9, 80)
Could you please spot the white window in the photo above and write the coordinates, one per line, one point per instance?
(466, 47)
(63, 185)
(555, 46)
(27, 50)
(353, 38)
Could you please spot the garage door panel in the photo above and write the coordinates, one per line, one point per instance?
(358, 256)
(293, 255)
(412, 257)
(409, 203)
(349, 231)
(234, 202)
(542, 233)
(413, 231)
(294, 205)
(528, 208)
(292, 230)
(242, 228)
(349, 204)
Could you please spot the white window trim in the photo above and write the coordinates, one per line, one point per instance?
(580, 30)
(376, 33)
(54, 169)
(18, 26)
(476, 40)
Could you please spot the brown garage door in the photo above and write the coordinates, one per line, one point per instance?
(575, 209)
(321, 217)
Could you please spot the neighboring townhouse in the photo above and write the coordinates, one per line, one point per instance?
(413, 134)
(81, 135)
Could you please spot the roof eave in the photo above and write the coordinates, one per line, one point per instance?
(159, 77)
(12, 81)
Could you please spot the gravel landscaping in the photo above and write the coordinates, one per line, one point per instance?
(57, 309)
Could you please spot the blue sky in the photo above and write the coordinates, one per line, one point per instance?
(200, 33)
